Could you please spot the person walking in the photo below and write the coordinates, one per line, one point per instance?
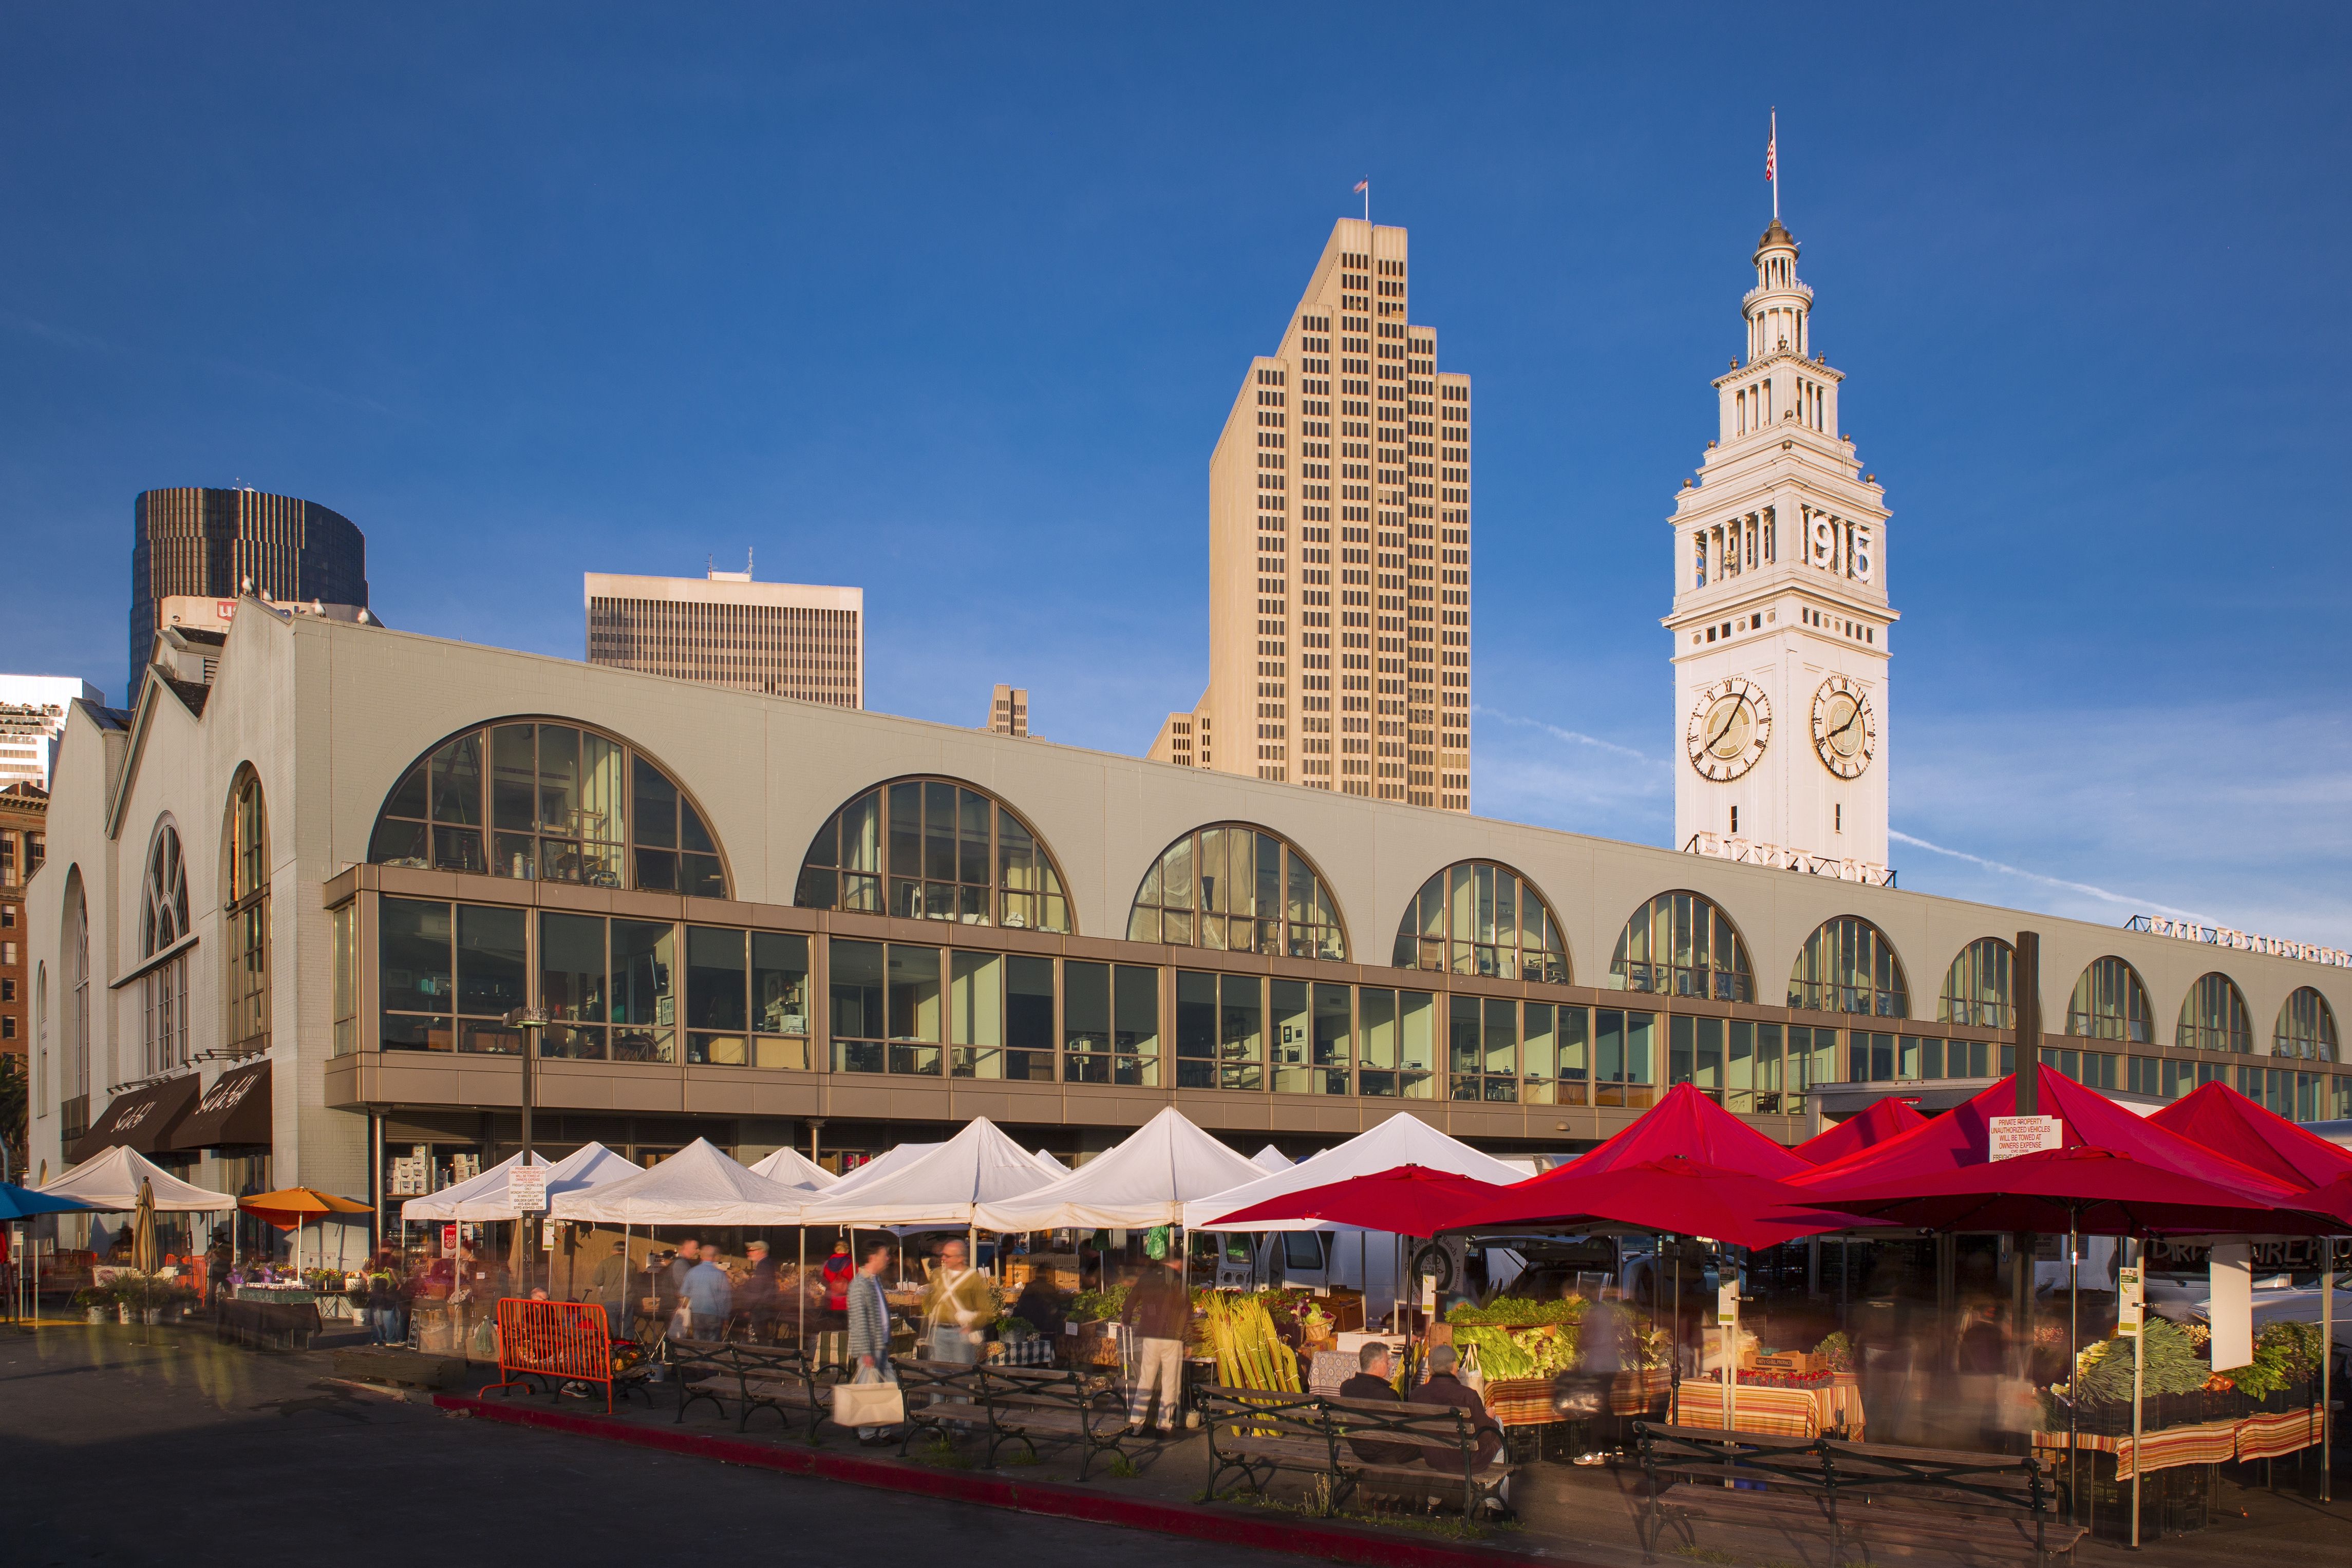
(1158, 1314)
(868, 1308)
(710, 1297)
(608, 1287)
(838, 1269)
(957, 1308)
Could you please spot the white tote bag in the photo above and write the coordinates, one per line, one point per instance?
(868, 1401)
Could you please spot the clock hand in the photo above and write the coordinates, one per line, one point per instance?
(1730, 714)
(1852, 719)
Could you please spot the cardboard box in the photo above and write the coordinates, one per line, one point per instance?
(1791, 1361)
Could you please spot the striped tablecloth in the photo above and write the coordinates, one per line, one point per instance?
(1520, 1401)
(1035, 1351)
(2263, 1437)
(1777, 1412)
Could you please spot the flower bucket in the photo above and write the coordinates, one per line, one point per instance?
(122, 1311)
(151, 1316)
(93, 1315)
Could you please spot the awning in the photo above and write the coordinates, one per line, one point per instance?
(144, 1119)
(235, 1110)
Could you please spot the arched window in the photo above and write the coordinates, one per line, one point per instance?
(1680, 945)
(1240, 889)
(163, 922)
(73, 1088)
(549, 800)
(1475, 917)
(245, 845)
(933, 849)
(1978, 989)
(1849, 966)
(2213, 1017)
(2307, 1027)
(2110, 1003)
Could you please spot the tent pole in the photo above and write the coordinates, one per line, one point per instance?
(2327, 1355)
(800, 1285)
(2074, 1349)
(2139, 1384)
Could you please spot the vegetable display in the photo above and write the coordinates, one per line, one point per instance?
(1513, 1337)
(1238, 1330)
(2105, 1369)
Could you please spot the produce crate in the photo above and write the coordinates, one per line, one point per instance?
(1791, 1361)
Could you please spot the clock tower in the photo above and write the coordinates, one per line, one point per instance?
(1780, 621)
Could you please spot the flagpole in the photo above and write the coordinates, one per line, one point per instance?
(1774, 148)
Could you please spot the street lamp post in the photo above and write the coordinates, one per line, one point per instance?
(531, 1021)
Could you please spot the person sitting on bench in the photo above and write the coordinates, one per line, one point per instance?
(1442, 1387)
(1371, 1382)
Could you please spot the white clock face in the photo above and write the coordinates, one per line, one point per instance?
(1845, 728)
(1728, 729)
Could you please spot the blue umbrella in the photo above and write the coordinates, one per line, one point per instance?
(22, 1203)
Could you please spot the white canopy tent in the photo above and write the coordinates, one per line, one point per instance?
(111, 1178)
(484, 1197)
(1143, 1182)
(1053, 1162)
(794, 1168)
(696, 1186)
(940, 1186)
(1403, 1140)
(1270, 1158)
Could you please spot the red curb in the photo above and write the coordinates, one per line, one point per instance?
(1300, 1537)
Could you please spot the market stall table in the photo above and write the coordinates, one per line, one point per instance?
(1784, 1407)
(268, 1315)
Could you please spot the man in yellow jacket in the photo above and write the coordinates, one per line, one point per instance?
(957, 1307)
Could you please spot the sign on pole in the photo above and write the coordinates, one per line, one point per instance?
(449, 1240)
(2127, 1298)
(526, 1188)
(2010, 1137)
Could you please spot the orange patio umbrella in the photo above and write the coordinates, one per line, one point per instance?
(289, 1207)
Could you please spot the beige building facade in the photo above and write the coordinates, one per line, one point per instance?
(770, 921)
(1340, 630)
(785, 639)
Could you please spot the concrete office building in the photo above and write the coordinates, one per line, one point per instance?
(784, 639)
(211, 545)
(32, 716)
(1340, 603)
(1008, 710)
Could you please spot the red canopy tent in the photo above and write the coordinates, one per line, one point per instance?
(1410, 1200)
(1687, 1123)
(1885, 1119)
(2219, 1118)
(1672, 1195)
(2113, 1174)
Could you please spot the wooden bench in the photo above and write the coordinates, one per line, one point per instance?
(1026, 1403)
(766, 1377)
(1349, 1442)
(1860, 1494)
(940, 1396)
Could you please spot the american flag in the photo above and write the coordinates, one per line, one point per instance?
(1771, 157)
(1361, 186)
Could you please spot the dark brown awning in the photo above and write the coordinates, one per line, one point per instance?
(145, 1118)
(235, 1110)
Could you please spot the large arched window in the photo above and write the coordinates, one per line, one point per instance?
(1978, 989)
(1680, 945)
(2307, 1027)
(245, 846)
(933, 849)
(1240, 889)
(1849, 966)
(164, 921)
(1475, 917)
(2110, 1003)
(2213, 1017)
(549, 800)
(73, 1062)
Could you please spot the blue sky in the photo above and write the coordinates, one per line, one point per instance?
(949, 302)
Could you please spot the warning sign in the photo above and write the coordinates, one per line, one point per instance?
(2014, 1135)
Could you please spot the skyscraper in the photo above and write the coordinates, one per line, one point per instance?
(208, 544)
(1339, 623)
(1008, 710)
(788, 639)
(32, 716)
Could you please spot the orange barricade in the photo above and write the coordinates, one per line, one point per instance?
(557, 1341)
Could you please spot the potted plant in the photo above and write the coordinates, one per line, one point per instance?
(93, 1300)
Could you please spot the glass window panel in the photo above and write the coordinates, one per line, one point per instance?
(657, 870)
(1417, 1077)
(398, 844)
(657, 806)
(1241, 1043)
(492, 979)
(571, 966)
(514, 777)
(572, 1042)
(457, 849)
(1538, 1052)
(1463, 1046)
(1196, 1030)
(779, 982)
(417, 974)
(691, 834)
(515, 856)
(716, 978)
(1267, 900)
(938, 831)
(1499, 1043)
(407, 798)
(1179, 878)
(1136, 1027)
(484, 1037)
(700, 877)
(914, 992)
(976, 999)
(1709, 1059)
(641, 980)
(861, 833)
(717, 1050)
(1298, 902)
(1378, 1023)
(972, 814)
(558, 806)
(1290, 1032)
(414, 1032)
(856, 975)
(457, 781)
(1086, 1007)
(1208, 874)
(1029, 1018)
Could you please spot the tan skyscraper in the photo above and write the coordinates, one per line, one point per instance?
(1340, 601)
(789, 639)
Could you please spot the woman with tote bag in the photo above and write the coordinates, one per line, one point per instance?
(870, 1401)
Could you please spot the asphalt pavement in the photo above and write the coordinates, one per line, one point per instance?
(127, 1446)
